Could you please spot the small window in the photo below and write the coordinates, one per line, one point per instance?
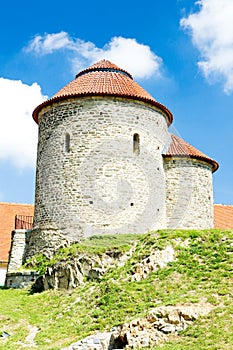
(67, 142)
(136, 144)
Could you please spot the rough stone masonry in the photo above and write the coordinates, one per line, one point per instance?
(107, 164)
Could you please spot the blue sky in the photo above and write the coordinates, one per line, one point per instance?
(181, 51)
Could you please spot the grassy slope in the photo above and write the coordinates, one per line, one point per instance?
(203, 269)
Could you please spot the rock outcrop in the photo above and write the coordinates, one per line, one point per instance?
(145, 332)
(71, 274)
(152, 263)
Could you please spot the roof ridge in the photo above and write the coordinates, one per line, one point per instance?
(104, 65)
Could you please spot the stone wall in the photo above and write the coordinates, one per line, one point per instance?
(189, 192)
(17, 250)
(44, 240)
(20, 279)
(14, 278)
(91, 176)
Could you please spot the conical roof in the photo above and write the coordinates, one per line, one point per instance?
(181, 148)
(104, 78)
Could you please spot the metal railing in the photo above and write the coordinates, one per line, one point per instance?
(23, 222)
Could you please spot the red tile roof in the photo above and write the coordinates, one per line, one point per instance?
(223, 216)
(8, 211)
(181, 148)
(104, 78)
(104, 65)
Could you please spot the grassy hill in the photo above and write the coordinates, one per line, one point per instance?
(202, 270)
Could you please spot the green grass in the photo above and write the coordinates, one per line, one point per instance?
(202, 269)
(95, 245)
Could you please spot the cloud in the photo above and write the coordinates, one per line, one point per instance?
(49, 43)
(211, 29)
(18, 132)
(138, 58)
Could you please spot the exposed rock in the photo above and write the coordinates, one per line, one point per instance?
(145, 332)
(158, 259)
(99, 341)
(71, 274)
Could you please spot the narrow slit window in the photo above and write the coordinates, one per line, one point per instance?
(136, 144)
(67, 142)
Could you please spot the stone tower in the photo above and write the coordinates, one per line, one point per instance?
(99, 161)
(189, 186)
(106, 163)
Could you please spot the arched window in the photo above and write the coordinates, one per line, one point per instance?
(67, 142)
(136, 144)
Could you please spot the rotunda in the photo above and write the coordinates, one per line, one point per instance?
(106, 163)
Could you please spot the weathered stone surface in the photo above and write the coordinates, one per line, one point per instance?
(17, 251)
(21, 279)
(99, 184)
(91, 181)
(145, 332)
(46, 241)
(158, 259)
(71, 274)
(99, 341)
(189, 193)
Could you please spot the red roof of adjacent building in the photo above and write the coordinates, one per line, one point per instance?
(223, 216)
(8, 211)
(104, 78)
(180, 148)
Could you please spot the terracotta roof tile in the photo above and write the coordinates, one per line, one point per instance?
(181, 148)
(104, 79)
(104, 65)
(7, 224)
(223, 216)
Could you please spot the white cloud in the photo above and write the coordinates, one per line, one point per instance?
(212, 33)
(18, 132)
(49, 43)
(138, 58)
